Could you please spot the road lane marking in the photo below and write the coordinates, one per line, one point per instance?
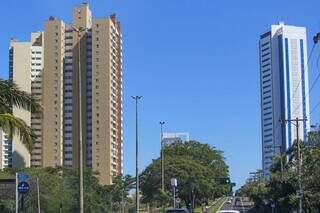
(222, 204)
(242, 204)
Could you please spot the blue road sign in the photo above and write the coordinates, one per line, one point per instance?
(23, 187)
(23, 176)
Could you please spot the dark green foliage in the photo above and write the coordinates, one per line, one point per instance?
(59, 189)
(196, 166)
(282, 186)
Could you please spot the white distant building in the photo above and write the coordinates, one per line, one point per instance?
(5, 151)
(284, 89)
(169, 138)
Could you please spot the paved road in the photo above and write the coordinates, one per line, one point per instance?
(241, 204)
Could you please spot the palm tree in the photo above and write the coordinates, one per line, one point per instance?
(11, 95)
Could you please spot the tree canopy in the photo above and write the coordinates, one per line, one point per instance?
(197, 167)
(59, 189)
(281, 188)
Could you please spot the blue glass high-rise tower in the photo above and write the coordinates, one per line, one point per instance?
(284, 89)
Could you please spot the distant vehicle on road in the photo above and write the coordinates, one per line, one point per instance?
(176, 210)
(228, 211)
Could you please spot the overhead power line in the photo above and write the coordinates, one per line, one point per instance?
(307, 65)
(316, 39)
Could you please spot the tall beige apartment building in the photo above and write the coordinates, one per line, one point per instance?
(25, 69)
(97, 44)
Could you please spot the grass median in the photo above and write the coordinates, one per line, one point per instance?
(217, 204)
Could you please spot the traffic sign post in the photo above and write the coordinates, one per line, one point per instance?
(273, 206)
(23, 176)
(22, 187)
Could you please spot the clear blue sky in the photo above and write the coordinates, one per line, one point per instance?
(195, 62)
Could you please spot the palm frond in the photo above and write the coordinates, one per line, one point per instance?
(11, 95)
(12, 125)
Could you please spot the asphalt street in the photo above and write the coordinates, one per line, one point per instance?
(242, 204)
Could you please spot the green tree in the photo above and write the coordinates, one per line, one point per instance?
(198, 168)
(283, 183)
(257, 191)
(119, 191)
(59, 190)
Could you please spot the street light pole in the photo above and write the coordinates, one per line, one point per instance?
(81, 200)
(162, 156)
(137, 98)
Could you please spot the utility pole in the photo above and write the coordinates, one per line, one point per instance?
(137, 98)
(162, 156)
(81, 200)
(299, 192)
(38, 192)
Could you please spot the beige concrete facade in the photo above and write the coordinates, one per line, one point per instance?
(106, 98)
(56, 84)
(25, 65)
(82, 16)
(21, 71)
(37, 40)
(79, 39)
(52, 144)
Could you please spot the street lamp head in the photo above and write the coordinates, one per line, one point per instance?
(316, 38)
(136, 97)
(161, 122)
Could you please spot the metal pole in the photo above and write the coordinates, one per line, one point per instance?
(162, 156)
(299, 193)
(174, 197)
(299, 167)
(281, 164)
(17, 194)
(136, 98)
(137, 161)
(38, 190)
(22, 203)
(122, 201)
